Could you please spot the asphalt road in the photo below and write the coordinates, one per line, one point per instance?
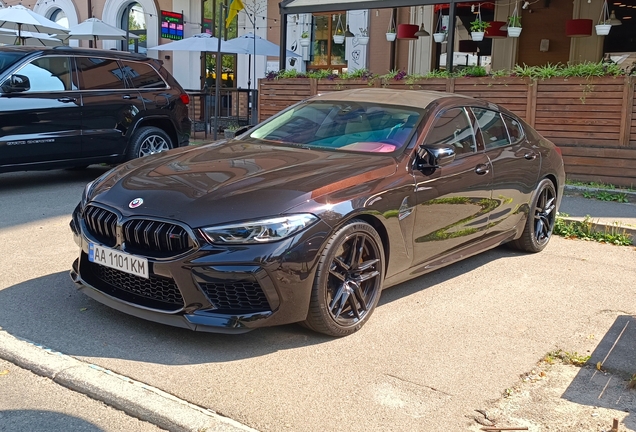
(436, 348)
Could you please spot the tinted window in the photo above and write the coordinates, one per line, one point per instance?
(7, 59)
(143, 75)
(452, 128)
(100, 74)
(492, 128)
(48, 74)
(354, 126)
(514, 129)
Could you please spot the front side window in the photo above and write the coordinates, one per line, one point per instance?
(142, 75)
(100, 74)
(351, 126)
(48, 74)
(492, 128)
(452, 128)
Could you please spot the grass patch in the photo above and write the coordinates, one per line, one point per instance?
(565, 357)
(585, 230)
(600, 185)
(607, 196)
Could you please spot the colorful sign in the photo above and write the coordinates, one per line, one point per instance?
(171, 25)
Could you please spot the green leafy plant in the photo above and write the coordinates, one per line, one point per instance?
(479, 26)
(600, 185)
(585, 230)
(565, 357)
(514, 21)
(233, 127)
(305, 35)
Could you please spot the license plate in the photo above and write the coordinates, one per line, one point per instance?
(118, 260)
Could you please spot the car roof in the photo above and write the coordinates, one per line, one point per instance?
(73, 51)
(405, 98)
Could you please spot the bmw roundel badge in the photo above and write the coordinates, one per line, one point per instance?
(136, 203)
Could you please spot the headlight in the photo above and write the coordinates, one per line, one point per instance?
(260, 231)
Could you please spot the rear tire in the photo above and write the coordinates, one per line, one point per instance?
(541, 218)
(348, 281)
(148, 140)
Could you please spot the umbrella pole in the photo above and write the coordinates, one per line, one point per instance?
(217, 81)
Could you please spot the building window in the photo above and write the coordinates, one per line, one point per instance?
(133, 19)
(325, 53)
(58, 16)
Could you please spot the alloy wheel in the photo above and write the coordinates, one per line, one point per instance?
(354, 279)
(544, 215)
(153, 144)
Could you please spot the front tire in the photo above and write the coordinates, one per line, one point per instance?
(541, 218)
(348, 281)
(149, 140)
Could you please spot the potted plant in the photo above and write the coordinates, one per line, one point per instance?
(390, 31)
(514, 25)
(338, 35)
(230, 130)
(604, 24)
(478, 29)
(440, 35)
(304, 39)
(363, 39)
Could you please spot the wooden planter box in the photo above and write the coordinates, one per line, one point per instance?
(592, 120)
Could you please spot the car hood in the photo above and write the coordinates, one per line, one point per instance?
(238, 180)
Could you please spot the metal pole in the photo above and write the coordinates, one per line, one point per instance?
(217, 81)
(450, 46)
(282, 58)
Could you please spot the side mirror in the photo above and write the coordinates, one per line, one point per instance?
(434, 157)
(16, 83)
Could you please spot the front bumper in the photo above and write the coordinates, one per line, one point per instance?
(209, 288)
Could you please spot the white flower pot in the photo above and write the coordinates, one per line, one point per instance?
(339, 39)
(603, 29)
(514, 31)
(391, 36)
(439, 37)
(363, 40)
(304, 42)
(477, 36)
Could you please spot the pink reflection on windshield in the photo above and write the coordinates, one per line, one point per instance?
(370, 147)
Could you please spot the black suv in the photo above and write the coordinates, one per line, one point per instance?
(69, 107)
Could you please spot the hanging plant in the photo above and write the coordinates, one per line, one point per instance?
(305, 41)
(514, 23)
(363, 39)
(338, 35)
(390, 31)
(604, 24)
(478, 27)
(440, 30)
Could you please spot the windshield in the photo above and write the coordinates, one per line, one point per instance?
(351, 126)
(7, 59)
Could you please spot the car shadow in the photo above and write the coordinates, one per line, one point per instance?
(41, 421)
(607, 387)
(49, 310)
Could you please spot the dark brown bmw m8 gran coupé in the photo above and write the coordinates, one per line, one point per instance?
(309, 215)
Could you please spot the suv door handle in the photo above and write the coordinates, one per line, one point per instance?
(530, 155)
(66, 99)
(129, 97)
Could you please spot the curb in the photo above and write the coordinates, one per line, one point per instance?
(135, 398)
(572, 188)
(605, 227)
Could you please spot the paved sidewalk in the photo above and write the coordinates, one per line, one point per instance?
(606, 215)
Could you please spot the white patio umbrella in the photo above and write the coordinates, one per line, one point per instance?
(22, 19)
(97, 29)
(10, 37)
(202, 42)
(256, 45)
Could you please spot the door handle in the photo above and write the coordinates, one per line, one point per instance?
(129, 97)
(482, 169)
(530, 155)
(66, 99)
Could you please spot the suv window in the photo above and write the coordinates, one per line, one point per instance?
(453, 128)
(492, 128)
(48, 74)
(143, 75)
(100, 74)
(7, 59)
(514, 129)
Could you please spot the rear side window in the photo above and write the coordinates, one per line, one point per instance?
(492, 127)
(514, 129)
(100, 74)
(48, 74)
(452, 128)
(143, 75)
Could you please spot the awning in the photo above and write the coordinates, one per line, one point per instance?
(314, 6)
